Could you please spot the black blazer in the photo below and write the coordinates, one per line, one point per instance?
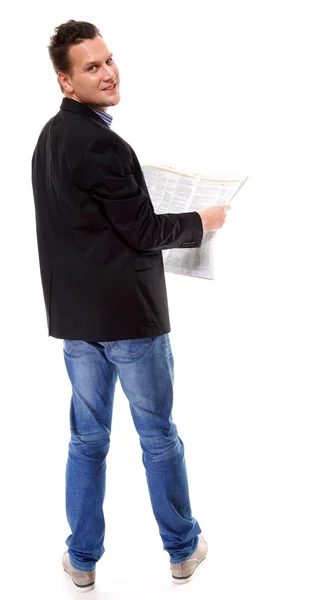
(99, 239)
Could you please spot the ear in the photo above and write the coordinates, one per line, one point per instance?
(64, 81)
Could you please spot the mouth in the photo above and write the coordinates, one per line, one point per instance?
(110, 88)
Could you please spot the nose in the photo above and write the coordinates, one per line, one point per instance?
(108, 73)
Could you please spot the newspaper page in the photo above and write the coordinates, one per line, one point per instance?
(174, 191)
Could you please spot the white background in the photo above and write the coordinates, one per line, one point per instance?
(219, 86)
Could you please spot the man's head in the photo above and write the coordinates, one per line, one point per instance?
(84, 64)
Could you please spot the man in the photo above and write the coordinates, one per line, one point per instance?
(99, 244)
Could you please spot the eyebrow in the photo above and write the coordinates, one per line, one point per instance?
(94, 62)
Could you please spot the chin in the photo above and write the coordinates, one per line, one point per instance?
(114, 100)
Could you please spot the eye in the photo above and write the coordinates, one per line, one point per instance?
(93, 66)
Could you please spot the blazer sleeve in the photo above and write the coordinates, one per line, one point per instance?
(105, 174)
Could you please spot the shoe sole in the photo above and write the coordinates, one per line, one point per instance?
(86, 588)
(183, 580)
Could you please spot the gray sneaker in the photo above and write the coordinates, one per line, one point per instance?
(183, 572)
(83, 581)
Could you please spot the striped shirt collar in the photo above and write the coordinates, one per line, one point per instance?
(104, 115)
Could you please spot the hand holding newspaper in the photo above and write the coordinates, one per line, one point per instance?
(173, 191)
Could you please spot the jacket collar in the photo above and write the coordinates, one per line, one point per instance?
(82, 109)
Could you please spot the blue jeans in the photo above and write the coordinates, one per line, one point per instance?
(146, 371)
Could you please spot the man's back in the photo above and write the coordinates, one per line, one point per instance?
(99, 239)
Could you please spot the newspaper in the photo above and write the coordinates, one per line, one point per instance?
(174, 191)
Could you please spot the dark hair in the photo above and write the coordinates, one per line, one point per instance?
(66, 34)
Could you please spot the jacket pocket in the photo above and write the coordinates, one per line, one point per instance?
(141, 263)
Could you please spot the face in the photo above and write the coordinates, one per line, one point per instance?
(93, 70)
